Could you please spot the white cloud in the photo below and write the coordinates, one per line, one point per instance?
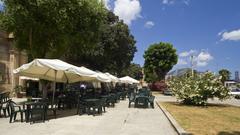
(182, 62)
(184, 54)
(221, 32)
(167, 2)
(203, 59)
(107, 3)
(149, 24)
(186, 2)
(231, 35)
(199, 59)
(171, 2)
(127, 10)
(187, 53)
(201, 64)
(205, 56)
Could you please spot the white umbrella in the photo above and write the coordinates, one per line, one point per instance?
(84, 73)
(128, 79)
(53, 70)
(112, 77)
(49, 69)
(28, 78)
(96, 76)
(103, 77)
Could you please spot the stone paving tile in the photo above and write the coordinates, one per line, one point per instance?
(119, 120)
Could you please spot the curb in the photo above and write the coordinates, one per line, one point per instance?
(173, 122)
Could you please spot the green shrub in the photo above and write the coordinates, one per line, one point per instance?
(18, 89)
(196, 90)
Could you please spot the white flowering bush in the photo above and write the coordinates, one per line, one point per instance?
(198, 89)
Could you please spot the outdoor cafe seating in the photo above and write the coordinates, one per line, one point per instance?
(96, 104)
(33, 109)
(141, 99)
(4, 99)
(14, 110)
(91, 102)
(37, 111)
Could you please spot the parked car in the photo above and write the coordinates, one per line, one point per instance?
(237, 96)
(235, 92)
(167, 92)
(158, 86)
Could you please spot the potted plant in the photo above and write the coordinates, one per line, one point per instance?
(18, 89)
(29, 98)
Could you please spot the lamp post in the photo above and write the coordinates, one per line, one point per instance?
(191, 59)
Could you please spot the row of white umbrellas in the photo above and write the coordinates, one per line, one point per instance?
(59, 71)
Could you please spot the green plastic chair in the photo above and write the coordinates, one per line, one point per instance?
(151, 101)
(131, 99)
(5, 108)
(97, 107)
(111, 100)
(141, 101)
(81, 106)
(53, 107)
(38, 112)
(103, 104)
(15, 109)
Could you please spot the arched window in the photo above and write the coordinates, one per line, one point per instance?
(2, 72)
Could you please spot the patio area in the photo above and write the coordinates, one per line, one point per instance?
(119, 120)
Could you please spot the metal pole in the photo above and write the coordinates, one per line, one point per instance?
(54, 89)
(191, 58)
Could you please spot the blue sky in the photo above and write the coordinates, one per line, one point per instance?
(207, 29)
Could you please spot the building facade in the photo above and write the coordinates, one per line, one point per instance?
(236, 76)
(10, 59)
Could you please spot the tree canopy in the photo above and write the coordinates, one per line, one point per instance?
(225, 74)
(114, 51)
(82, 32)
(134, 71)
(49, 28)
(159, 60)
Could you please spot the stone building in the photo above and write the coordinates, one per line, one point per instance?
(10, 59)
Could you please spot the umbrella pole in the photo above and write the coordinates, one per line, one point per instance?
(54, 89)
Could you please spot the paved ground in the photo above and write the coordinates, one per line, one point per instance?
(232, 101)
(119, 120)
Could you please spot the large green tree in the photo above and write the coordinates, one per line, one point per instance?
(114, 51)
(134, 71)
(225, 75)
(159, 59)
(118, 45)
(50, 28)
(82, 32)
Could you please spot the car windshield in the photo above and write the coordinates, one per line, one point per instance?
(235, 90)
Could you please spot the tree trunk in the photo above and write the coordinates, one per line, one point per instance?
(30, 43)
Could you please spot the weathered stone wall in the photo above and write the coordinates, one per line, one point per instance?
(10, 59)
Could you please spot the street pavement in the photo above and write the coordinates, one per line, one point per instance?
(119, 120)
(231, 101)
